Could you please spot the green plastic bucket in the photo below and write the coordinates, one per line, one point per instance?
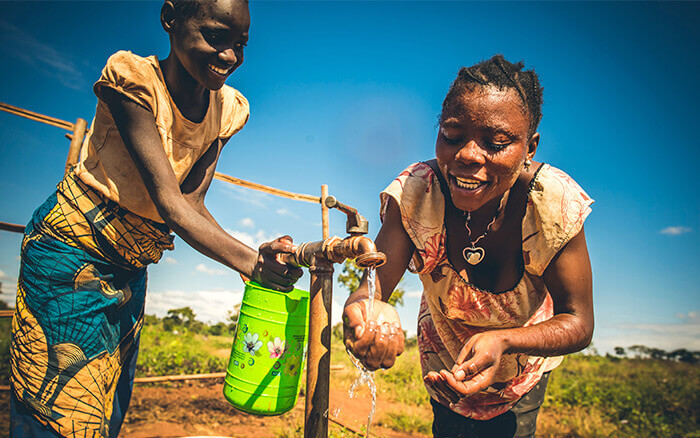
(269, 350)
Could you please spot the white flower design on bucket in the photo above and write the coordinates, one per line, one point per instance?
(251, 343)
(276, 348)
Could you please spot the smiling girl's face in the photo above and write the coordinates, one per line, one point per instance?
(482, 145)
(209, 45)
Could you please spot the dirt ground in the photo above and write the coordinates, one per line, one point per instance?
(199, 409)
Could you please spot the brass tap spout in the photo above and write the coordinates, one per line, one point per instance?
(360, 248)
(336, 250)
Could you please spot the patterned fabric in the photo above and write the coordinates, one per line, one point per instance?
(105, 163)
(79, 310)
(452, 310)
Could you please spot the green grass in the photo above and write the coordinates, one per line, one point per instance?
(5, 324)
(588, 396)
(629, 397)
(164, 353)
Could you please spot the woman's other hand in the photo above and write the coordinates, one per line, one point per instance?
(270, 271)
(476, 366)
(375, 340)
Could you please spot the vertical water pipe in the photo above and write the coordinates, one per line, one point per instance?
(319, 356)
(76, 141)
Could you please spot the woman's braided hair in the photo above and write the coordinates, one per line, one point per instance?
(499, 73)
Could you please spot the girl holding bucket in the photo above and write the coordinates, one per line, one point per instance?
(144, 169)
(499, 245)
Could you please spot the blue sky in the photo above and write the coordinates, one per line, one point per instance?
(347, 94)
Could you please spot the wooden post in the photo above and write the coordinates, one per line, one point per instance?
(324, 212)
(76, 142)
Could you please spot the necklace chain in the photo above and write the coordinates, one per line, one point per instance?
(472, 243)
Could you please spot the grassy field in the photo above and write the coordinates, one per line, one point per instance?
(588, 396)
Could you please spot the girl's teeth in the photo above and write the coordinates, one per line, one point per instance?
(218, 70)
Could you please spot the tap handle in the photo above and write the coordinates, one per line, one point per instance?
(356, 223)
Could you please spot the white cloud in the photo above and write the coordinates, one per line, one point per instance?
(204, 269)
(693, 316)
(252, 240)
(246, 222)
(2, 274)
(675, 231)
(285, 212)
(170, 261)
(8, 293)
(414, 294)
(210, 306)
(41, 56)
(248, 196)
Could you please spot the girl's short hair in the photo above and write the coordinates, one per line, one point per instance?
(185, 9)
(500, 73)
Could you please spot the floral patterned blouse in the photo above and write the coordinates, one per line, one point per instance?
(452, 310)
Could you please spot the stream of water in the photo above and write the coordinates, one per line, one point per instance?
(366, 377)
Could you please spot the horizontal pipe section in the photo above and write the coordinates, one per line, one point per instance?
(15, 228)
(36, 116)
(266, 189)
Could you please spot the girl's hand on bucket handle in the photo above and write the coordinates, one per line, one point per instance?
(272, 273)
(375, 340)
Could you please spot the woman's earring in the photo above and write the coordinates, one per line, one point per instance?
(528, 163)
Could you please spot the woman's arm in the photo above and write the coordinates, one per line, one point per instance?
(378, 338)
(140, 135)
(569, 281)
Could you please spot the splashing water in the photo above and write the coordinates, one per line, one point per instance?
(366, 377)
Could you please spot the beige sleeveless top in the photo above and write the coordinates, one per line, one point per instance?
(453, 310)
(105, 163)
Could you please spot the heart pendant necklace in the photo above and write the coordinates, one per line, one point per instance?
(475, 254)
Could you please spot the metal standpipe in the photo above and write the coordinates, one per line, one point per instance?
(319, 354)
(319, 258)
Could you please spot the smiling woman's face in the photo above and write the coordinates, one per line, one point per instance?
(482, 144)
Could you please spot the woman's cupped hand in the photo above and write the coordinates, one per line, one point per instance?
(474, 370)
(375, 338)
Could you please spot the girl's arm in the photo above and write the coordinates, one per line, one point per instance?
(569, 281)
(140, 135)
(377, 339)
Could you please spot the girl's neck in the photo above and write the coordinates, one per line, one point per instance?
(190, 97)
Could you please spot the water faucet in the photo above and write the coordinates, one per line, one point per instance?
(336, 250)
(319, 257)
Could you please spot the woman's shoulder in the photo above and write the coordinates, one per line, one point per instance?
(551, 181)
(557, 207)
(413, 187)
(417, 193)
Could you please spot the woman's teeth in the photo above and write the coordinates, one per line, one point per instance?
(466, 183)
(221, 71)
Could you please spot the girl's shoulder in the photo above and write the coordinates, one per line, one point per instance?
(134, 76)
(126, 64)
(235, 111)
